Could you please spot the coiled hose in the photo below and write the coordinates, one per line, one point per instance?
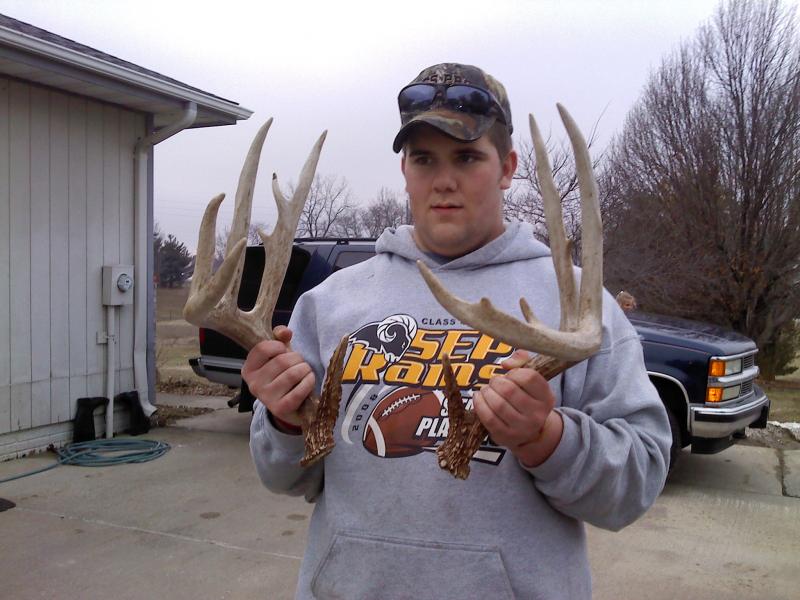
(103, 453)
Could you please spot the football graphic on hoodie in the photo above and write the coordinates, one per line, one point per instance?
(405, 422)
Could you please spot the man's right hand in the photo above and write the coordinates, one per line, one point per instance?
(279, 378)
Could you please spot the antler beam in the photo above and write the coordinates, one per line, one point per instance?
(580, 330)
(213, 296)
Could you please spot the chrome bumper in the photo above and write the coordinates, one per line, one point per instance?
(227, 371)
(721, 422)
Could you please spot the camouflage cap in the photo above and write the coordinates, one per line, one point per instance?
(459, 124)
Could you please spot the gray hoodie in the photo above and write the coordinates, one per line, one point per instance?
(388, 522)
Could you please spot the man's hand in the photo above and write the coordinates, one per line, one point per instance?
(517, 411)
(279, 378)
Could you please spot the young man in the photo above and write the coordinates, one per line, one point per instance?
(388, 522)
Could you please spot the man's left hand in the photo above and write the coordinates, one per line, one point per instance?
(517, 410)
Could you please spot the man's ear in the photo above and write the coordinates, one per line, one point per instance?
(403, 163)
(508, 168)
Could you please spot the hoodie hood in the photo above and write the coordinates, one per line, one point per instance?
(517, 242)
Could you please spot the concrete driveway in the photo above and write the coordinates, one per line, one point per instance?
(196, 523)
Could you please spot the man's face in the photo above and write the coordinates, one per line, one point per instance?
(456, 191)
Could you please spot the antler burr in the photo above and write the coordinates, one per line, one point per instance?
(579, 333)
(213, 296)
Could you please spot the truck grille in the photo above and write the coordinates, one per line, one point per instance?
(748, 361)
(747, 387)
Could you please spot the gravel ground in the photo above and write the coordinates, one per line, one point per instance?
(199, 387)
(166, 415)
(781, 436)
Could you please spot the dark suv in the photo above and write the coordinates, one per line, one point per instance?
(704, 374)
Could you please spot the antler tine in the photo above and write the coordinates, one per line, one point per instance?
(243, 207)
(309, 168)
(278, 243)
(203, 306)
(484, 317)
(555, 228)
(579, 336)
(204, 259)
(246, 186)
(213, 298)
(590, 304)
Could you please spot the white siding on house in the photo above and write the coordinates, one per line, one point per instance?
(127, 217)
(59, 259)
(94, 246)
(40, 257)
(19, 342)
(111, 201)
(78, 261)
(66, 209)
(5, 263)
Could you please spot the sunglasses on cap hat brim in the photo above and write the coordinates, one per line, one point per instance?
(421, 97)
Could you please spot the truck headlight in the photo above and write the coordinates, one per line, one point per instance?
(721, 368)
(718, 394)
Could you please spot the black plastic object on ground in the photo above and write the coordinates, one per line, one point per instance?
(140, 422)
(6, 504)
(84, 418)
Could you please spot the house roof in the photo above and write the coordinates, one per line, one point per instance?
(34, 54)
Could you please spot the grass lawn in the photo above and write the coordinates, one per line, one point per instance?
(176, 343)
(793, 377)
(173, 352)
(785, 403)
(169, 303)
(784, 394)
(172, 361)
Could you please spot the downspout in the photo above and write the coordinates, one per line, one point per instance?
(143, 240)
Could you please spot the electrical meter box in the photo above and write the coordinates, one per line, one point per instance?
(117, 285)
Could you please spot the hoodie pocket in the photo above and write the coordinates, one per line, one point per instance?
(360, 566)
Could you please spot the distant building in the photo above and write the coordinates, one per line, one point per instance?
(77, 128)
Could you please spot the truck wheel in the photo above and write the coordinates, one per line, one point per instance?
(677, 441)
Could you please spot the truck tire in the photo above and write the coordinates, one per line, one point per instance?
(677, 441)
(246, 399)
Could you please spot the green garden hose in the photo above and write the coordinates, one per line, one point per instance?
(103, 453)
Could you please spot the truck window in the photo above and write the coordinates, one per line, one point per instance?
(254, 268)
(348, 258)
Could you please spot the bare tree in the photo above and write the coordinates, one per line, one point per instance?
(349, 225)
(328, 202)
(703, 184)
(158, 239)
(221, 241)
(524, 200)
(386, 210)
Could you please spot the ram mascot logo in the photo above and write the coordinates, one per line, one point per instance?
(390, 337)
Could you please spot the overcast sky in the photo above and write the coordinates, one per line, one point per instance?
(338, 65)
